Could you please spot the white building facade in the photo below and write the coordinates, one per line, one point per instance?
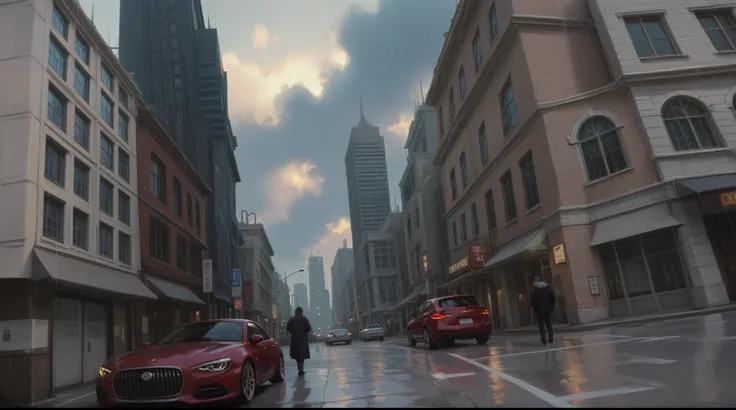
(68, 189)
(258, 274)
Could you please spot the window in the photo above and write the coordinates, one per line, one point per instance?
(196, 260)
(461, 82)
(106, 241)
(158, 240)
(688, 125)
(106, 77)
(474, 220)
(454, 234)
(158, 179)
(197, 219)
(80, 229)
(81, 83)
(483, 144)
(663, 260)
(124, 248)
(123, 97)
(507, 189)
(81, 129)
(464, 170)
(57, 57)
(463, 228)
(453, 184)
(408, 227)
(60, 23)
(253, 329)
(123, 126)
(451, 101)
(82, 49)
(181, 252)
(53, 218)
(81, 180)
(123, 165)
(384, 255)
(55, 163)
(477, 51)
(176, 199)
(601, 148)
(57, 108)
(490, 211)
(106, 196)
(107, 152)
(493, 22)
(388, 290)
(529, 181)
(649, 36)
(190, 212)
(441, 119)
(720, 28)
(508, 108)
(416, 217)
(106, 110)
(123, 208)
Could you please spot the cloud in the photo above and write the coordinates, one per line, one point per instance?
(401, 128)
(328, 244)
(262, 38)
(288, 184)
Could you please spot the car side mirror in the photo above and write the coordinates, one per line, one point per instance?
(413, 315)
(255, 339)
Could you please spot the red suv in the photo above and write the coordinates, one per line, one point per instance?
(449, 318)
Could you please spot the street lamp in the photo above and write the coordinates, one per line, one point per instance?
(287, 285)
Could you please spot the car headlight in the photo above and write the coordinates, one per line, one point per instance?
(104, 371)
(215, 366)
(350, 334)
(330, 335)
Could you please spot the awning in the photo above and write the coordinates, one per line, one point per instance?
(174, 291)
(71, 270)
(534, 241)
(700, 185)
(633, 223)
(412, 296)
(222, 297)
(457, 279)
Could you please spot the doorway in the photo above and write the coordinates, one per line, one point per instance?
(721, 229)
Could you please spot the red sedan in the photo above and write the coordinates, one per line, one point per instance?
(449, 318)
(206, 362)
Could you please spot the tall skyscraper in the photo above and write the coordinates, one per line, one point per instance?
(300, 296)
(342, 265)
(367, 178)
(318, 298)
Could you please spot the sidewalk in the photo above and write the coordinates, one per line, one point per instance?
(75, 397)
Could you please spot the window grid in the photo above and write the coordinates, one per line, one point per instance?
(106, 197)
(508, 108)
(107, 152)
(124, 248)
(493, 22)
(81, 129)
(106, 246)
(53, 218)
(123, 126)
(60, 22)
(649, 36)
(529, 181)
(181, 252)
(81, 82)
(123, 208)
(463, 228)
(58, 57)
(461, 83)
(80, 229)
(490, 211)
(483, 144)
(688, 125)
(106, 110)
(451, 102)
(55, 163)
(82, 49)
(601, 148)
(474, 220)
(477, 51)
(464, 170)
(57, 108)
(123, 165)
(453, 184)
(106, 77)
(81, 180)
(507, 189)
(720, 28)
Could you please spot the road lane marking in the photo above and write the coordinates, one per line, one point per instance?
(654, 339)
(444, 376)
(72, 400)
(647, 360)
(610, 342)
(546, 397)
(617, 391)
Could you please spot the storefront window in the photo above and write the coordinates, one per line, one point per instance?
(610, 270)
(633, 268)
(664, 262)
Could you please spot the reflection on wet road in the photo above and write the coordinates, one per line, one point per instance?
(684, 362)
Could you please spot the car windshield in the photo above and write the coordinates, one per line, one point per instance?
(374, 327)
(458, 301)
(340, 332)
(205, 332)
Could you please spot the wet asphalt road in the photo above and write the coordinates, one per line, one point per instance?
(678, 363)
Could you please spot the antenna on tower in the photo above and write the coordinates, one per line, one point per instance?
(93, 13)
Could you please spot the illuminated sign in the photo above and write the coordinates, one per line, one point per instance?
(238, 304)
(461, 264)
(559, 252)
(728, 199)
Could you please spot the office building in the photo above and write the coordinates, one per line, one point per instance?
(341, 269)
(319, 301)
(301, 296)
(255, 259)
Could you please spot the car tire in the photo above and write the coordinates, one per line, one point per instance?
(427, 339)
(247, 383)
(483, 339)
(280, 374)
(412, 342)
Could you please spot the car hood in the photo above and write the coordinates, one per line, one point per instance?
(182, 355)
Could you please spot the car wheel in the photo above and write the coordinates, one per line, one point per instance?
(483, 339)
(427, 339)
(412, 342)
(248, 383)
(281, 373)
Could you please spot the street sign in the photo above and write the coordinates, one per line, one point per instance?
(207, 275)
(236, 280)
(238, 304)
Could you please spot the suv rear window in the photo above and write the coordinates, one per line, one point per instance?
(374, 327)
(458, 301)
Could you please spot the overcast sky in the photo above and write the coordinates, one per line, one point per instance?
(296, 69)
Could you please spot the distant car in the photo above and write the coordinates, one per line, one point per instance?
(202, 363)
(449, 318)
(372, 332)
(339, 336)
(320, 336)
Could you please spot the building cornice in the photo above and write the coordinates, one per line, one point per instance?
(634, 78)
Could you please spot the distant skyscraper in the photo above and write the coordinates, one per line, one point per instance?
(318, 297)
(300, 296)
(342, 265)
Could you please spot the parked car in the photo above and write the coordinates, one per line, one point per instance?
(449, 318)
(372, 332)
(209, 362)
(339, 336)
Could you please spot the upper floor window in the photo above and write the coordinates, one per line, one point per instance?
(493, 22)
(53, 217)
(529, 181)
(454, 234)
(176, 197)
(57, 108)
(720, 28)
(649, 36)
(441, 120)
(81, 179)
(507, 189)
(158, 179)
(461, 83)
(483, 144)
(463, 228)
(453, 184)
(197, 219)
(158, 240)
(474, 220)
(601, 148)
(508, 108)
(490, 211)
(477, 51)
(451, 103)
(106, 77)
(107, 192)
(124, 248)
(123, 165)
(107, 152)
(82, 49)
(55, 163)
(60, 22)
(464, 170)
(57, 57)
(688, 125)
(123, 126)
(123, 208)
(106, 110)
(81, 82)
(81, 129)
(123, 97)
(105, 245)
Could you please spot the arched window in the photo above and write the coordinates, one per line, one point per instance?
(688, 124)
(601, 148)
(464, 170)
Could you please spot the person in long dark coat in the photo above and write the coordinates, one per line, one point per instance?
(543, 303)
(298, 327)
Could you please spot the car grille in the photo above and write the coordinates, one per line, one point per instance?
(164, 383)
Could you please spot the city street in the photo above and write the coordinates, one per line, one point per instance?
(682, 362)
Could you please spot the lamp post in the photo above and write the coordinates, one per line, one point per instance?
(287, 284)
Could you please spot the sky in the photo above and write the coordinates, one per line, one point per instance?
(294, 82)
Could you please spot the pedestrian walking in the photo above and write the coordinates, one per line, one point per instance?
(298, 327)
(543, 301)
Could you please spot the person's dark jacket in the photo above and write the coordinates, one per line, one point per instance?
(542, 299)
(298, 327)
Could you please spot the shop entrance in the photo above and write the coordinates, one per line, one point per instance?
(721, 229)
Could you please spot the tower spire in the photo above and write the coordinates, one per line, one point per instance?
(362, 116)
